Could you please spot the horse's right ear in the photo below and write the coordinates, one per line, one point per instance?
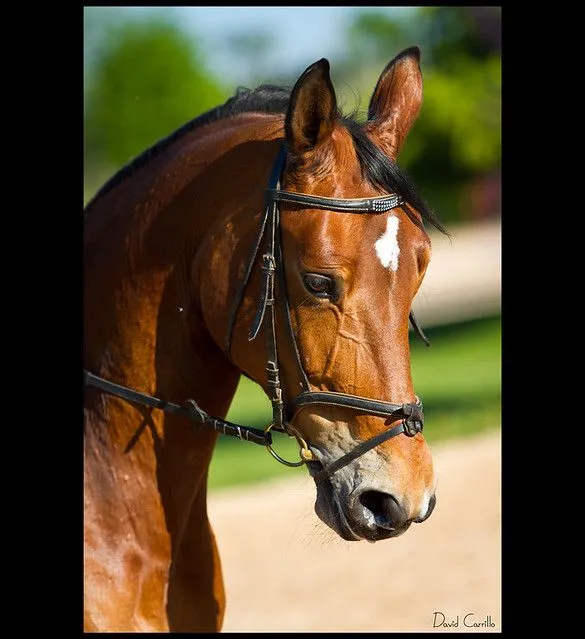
(312, 109)
(396, 101)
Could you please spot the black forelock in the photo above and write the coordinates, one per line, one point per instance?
(385, 174)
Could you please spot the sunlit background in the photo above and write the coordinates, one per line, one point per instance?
(149, 70)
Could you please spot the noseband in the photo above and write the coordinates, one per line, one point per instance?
(283, 413)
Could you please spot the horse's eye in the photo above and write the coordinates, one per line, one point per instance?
(319, 285)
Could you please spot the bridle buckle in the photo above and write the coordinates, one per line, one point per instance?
(411, 428)
(413, 423)
(268, 263)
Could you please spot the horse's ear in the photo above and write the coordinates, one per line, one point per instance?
(312, 109)
(396, 101)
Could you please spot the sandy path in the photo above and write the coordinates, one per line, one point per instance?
(284, 570)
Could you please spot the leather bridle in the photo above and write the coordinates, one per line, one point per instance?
(272, 265)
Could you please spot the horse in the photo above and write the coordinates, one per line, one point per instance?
(274, 237)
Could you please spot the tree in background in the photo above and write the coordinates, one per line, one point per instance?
(149, 80)
(454, 149)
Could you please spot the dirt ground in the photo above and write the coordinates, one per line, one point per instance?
(286, 571)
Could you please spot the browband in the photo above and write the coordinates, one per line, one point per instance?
(355, 205)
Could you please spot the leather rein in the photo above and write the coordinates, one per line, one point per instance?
(272, 265)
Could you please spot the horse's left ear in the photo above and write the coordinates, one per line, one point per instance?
(312, 109)
(396, 101)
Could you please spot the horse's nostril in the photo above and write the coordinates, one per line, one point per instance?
(386, 510)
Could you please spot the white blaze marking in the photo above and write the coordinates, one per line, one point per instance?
(387, 248)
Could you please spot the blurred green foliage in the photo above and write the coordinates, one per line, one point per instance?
(149, 76)
(147, 82)
(457, 137)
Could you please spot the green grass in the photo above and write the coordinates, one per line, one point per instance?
(458, 378)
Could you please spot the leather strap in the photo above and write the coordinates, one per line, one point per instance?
(418, 330)
(274, 179)
(288, 321)
(357, 205)
(269, 267)
(412, 411)
(242, 287)
(191, 410)
(356, 452)
(410, 425)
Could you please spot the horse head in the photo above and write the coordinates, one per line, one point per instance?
(346, 261)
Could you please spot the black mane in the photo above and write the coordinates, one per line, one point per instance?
(266, 98)
(376, 167)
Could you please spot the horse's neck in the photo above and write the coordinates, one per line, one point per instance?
(144, 329)
(144, 243)
(144, 468)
